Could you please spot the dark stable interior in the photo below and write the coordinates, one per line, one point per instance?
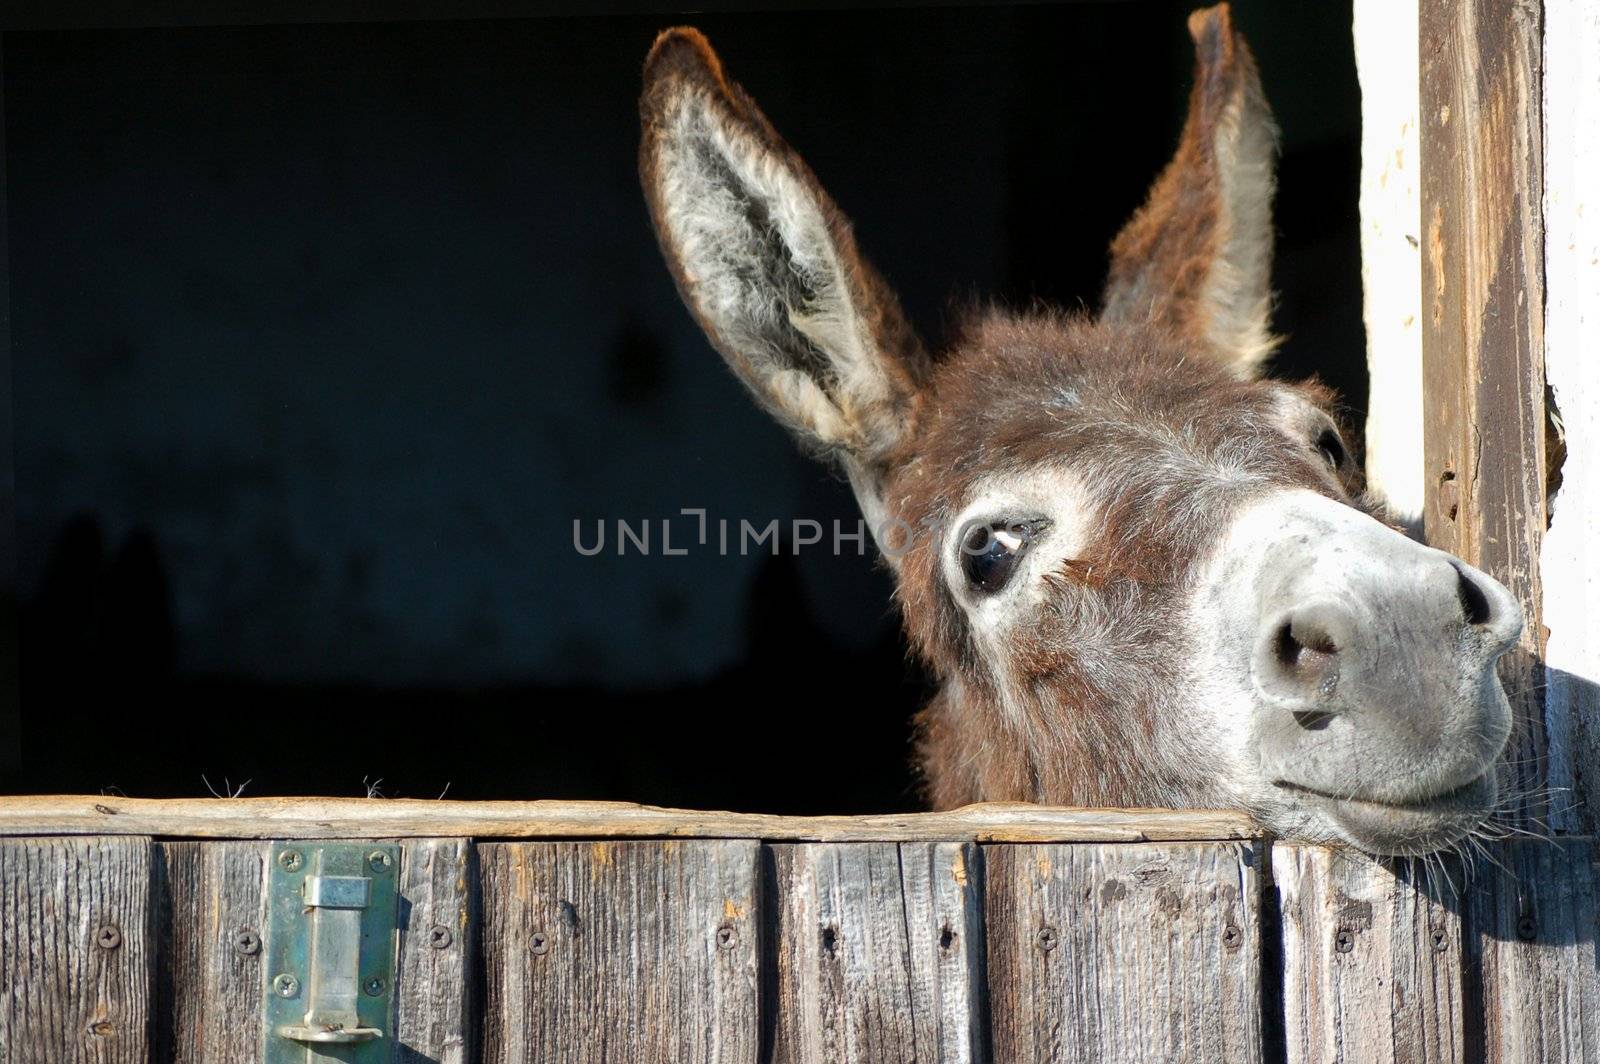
(324, 333)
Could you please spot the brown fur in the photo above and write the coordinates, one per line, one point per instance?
(1162, 260)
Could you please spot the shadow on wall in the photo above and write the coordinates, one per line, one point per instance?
(101, 620)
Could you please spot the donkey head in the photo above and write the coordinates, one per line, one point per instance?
(1142, 574)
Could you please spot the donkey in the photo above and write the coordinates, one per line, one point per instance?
(1162, 583)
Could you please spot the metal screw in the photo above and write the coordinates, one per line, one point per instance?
(1048, 939)
(247, 942)
(1231, 938)
(1344, 940)
(1441, 942)
(538, 943)
(727, 937)
(1527, 929)
(439, 937)
(286, 986)
(289, 860)
(374, 986)
(108, 937)
(379, 860)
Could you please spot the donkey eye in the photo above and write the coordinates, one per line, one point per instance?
(1332, 448)
(989, 552)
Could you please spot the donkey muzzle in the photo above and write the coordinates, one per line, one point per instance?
(1372, 669)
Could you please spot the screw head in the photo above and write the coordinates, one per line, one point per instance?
(439, 937)
(1231, 937)
(289, 860)
(1344, 940)
(374, 986)
(379, 861)
(247, 942)
(286, 986)
(538, 943)
(1048, 939)
(108, 937)
(727, 937)
(1527, 928)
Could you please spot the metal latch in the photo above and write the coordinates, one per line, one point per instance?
(330, 952)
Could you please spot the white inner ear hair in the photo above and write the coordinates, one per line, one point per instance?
(1238, 291)
(762, 269)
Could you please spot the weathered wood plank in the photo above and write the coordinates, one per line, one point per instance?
(874, 953)
(1371, 965)
(1124, 953)
(340, 818)
(438, 951)
(76, 975)
(1483, 319)
(1531, 939)
(621, 951)
(212, 914)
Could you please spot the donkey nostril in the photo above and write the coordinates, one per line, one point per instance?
(1286, 647)
(1299, 656)
(1474, 603)
(1305, 664)
(1300, 644)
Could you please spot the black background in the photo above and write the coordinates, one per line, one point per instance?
(323, 333)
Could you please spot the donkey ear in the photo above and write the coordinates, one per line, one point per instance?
(767, 263)
(1197, 257)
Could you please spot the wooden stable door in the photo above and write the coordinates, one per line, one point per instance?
(990, 934)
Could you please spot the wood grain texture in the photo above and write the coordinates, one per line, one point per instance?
(211, 919)
(439, 924)
(76, 974)
(1483, 320)
(1532, 957)
(1124, 953)
(343, 818)
(874, 953)
(1371, 964)
(621, 951)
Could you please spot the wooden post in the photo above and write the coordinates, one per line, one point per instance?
(1483, 320)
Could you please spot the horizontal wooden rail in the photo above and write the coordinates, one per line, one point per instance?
(334, 818)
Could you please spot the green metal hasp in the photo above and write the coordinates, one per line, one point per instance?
(330, 952)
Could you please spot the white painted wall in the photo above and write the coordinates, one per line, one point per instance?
(1391, 271)
(1570, 563)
